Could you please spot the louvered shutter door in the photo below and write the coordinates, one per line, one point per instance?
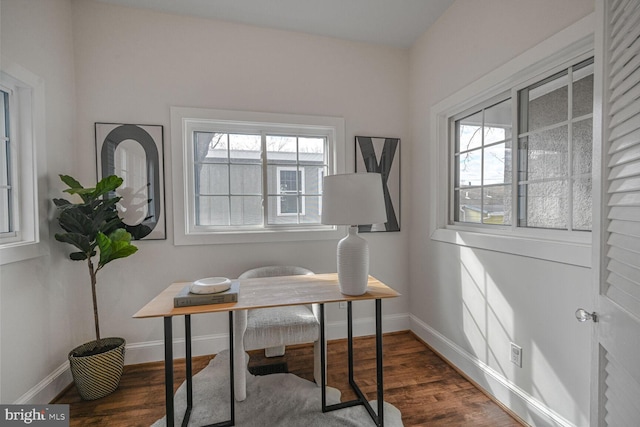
(621, 400)
(624, 150)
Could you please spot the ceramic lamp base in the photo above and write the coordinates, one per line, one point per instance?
(353, 263)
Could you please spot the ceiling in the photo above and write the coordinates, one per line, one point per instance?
(396, 23)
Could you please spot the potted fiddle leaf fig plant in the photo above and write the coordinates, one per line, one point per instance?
(91, 224)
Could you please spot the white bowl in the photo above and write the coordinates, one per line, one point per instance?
(210, 285)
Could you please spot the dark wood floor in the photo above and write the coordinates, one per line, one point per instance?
(420, 384)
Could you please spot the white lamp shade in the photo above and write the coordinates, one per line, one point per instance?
(353, 199)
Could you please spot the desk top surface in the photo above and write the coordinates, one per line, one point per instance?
(268, 292)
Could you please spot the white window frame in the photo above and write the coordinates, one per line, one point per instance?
(301, 209)
(571, 44)
(30, 203)
(184, 121)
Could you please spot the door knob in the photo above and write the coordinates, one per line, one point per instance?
(583, 315)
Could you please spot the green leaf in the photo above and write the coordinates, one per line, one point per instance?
(71, 182)
(104, 243)
(107, 184)
(78, 240)
(61, 203)
(116, 245)
(75, 221)
(78, 256)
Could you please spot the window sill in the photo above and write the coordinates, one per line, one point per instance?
(574, 252)
(21, 251)
(257, 236)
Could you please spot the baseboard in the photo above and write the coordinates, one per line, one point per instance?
(514, 399)
(152, 351)
(47, 389)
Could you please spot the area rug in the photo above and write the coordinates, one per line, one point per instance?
(281, 400)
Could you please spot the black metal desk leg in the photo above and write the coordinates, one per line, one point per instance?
(189, 372)
(168, 370)
(323, 361)
(350, 341)
(231, 372)
(379, 362)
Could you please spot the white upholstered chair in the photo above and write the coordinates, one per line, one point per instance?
(273, 328)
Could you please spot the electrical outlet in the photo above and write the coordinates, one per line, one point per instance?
(516, 355)
(342, 304)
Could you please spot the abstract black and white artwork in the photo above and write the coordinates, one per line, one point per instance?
(382, 155)
(135, 153)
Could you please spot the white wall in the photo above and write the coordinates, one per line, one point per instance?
(41, 300)
(133, 65)
(470, 303)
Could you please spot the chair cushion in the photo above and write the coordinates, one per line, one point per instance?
(270, 327)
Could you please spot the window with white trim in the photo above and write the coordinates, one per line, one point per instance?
(7, 204)
(550, 187)
(511, 205)
(251, 174)
(23, 226)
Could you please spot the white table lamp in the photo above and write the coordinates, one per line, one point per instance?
(353, 199)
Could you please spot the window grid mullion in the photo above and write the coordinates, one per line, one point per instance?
(482, 152)
(229, 204)
(570, 150)
(515, 159)
(298, 182)
(265, 179)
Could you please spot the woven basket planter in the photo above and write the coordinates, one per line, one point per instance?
(97, 375)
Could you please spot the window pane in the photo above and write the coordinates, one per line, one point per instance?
(246, 210)
(582, 146)
(470, 168)
(289, 181)
(211, 147)
(582, 204)
(469, 133)
(245, 148)
(544, 155)
(281, 144)
(497, 205)
(497, 164)
(246, 179)
(312, 209)
(469, 205)
(311, 145)
(288, 205)
(313, 180)
(548, 102)
(583, 89)
(544, 204)
(212, 210)
(4, 211)
(212, 179)
(4, 114)
(4, 163)
(276, 204)
(497, 122)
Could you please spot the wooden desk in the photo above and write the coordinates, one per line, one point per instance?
(264, 293)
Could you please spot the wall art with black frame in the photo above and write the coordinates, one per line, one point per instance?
(382, 155)
(135, 153)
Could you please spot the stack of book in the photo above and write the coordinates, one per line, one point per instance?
(184, 298)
